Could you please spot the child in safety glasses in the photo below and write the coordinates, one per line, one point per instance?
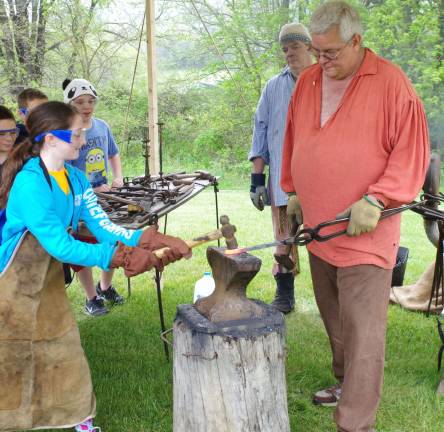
(27, 100)
(97, 155)
(8, 134)
(44, 195)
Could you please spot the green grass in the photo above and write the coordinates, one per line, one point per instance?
(133, 382)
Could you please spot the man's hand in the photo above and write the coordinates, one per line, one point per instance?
(258, 191)
(364, 216)
(102, 188)
(294, 212)
(117, 183)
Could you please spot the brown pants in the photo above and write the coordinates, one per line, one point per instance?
(353, 304)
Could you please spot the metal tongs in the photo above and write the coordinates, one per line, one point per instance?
(304, 236)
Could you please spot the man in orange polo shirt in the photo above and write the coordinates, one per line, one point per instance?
(356, 142)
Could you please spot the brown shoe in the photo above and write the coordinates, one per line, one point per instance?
(328, 397)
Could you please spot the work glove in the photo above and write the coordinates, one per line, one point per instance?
(134, 260)
(151, 240)
(364, 215)
(258, 191)
(294, 212)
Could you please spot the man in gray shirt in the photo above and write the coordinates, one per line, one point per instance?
(268, 135)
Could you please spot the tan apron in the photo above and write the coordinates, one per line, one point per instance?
(45, 380)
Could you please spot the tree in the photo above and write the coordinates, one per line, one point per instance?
(23, 39)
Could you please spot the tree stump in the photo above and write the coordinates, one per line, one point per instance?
(229, 374)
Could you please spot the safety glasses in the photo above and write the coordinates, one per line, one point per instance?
(69, 136)
(11, 132)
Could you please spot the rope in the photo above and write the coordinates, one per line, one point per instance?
(125, 128)
(239, 89)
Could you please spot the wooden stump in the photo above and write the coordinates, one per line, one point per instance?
(229, 375)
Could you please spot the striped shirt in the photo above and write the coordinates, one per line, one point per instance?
(269, 129)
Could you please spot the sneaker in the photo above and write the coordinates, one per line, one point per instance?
(95, 307)
(328, 397)
(110, 295)
(87, 427)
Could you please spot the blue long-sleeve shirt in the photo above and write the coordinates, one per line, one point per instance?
(47, 213)
(269, 129)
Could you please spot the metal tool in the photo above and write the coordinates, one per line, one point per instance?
(304, 236)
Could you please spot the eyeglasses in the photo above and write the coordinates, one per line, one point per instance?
(331, 54)
(11, 132)
(69, 136)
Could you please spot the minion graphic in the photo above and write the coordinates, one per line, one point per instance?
(95, 167)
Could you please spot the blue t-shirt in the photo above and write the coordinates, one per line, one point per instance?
(99, 147)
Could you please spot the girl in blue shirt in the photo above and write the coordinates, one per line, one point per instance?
(45, 196)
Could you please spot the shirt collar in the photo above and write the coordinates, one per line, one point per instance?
(369, 65)
(286, 70)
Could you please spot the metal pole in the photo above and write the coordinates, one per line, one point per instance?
(152, 87)
(161, 315)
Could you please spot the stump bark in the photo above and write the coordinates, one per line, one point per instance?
(229, 374)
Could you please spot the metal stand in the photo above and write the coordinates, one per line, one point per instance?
(158, 277)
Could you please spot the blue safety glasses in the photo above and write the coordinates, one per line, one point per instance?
(65, 135)
(12, 132)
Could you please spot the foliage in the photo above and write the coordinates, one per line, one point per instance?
(411, 34)
(22, 39)
(214, 58)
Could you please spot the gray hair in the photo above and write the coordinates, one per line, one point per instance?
(336, 13)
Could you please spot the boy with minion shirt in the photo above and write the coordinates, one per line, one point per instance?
(97, 156)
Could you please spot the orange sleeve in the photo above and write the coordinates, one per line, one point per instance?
(408, 162)
(287, 150)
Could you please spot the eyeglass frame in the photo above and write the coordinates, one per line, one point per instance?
(320, 53)
(14, 131)
(62, 134)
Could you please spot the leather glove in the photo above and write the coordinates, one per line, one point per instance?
(151, 240)
(294, 212)
(258, 191)
(134, 260)
(364, 216)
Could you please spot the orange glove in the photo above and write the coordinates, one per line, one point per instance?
(135, 260)
(152, 240)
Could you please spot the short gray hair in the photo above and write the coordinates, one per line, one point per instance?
(336, 13)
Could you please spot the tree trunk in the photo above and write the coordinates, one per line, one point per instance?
(229, 377)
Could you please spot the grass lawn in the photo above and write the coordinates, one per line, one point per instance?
(133, 382)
